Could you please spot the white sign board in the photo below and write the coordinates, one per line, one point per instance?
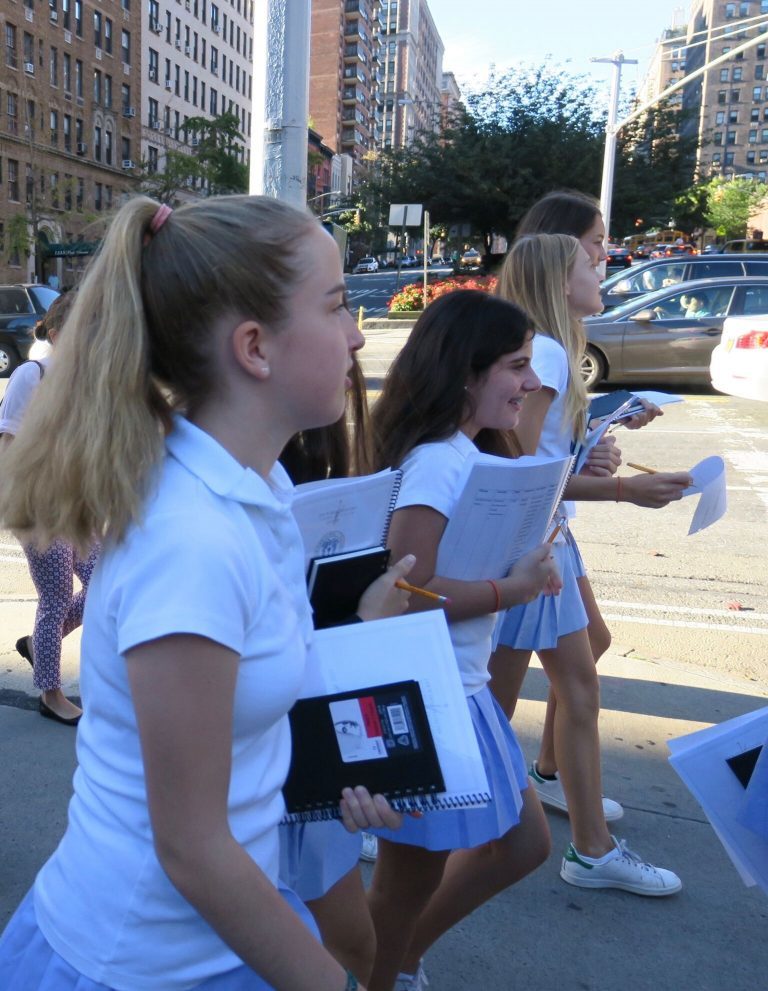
(405, 214)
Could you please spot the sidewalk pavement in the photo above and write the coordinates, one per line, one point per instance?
(543, 934)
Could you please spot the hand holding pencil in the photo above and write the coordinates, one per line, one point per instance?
(387, 596)
(653, 489)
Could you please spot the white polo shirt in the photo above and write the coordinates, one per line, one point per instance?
(431, 475)
(218, 554)
(20, 389)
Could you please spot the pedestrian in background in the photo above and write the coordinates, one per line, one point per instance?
(59, 607)
(554, 279)
(201, 341)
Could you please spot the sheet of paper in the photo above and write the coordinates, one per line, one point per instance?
(700, 759)
(709, 483)
(754, 812)
(417, 646)
(504, 510)
(593, 436)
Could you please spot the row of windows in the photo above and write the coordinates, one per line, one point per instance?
(745, 8)
(62, 191)
(752, 136)
(175, 124)
(226, 27)
(103, 41)
(736, 74)
(231, 73)
(733, 116)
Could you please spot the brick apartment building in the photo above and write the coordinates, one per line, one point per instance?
(69, 85)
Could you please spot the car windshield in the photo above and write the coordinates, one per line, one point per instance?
(650, 278)
(43, 297)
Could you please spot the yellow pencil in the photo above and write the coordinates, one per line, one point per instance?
(551, 537)
(407, 587)
(648, 471)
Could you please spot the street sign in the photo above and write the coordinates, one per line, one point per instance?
(405, 215)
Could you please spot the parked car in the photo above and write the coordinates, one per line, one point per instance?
(618, 257)
(739, 364)
(743, 245)
(408, 261)
(621, 287)
(470, 261)
(642, 251)
(367, 264)
(668, 335)
(21, 306)
(712, 249)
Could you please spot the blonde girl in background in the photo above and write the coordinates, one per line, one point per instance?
(553, 277)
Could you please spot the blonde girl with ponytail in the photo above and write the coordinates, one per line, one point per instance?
(200, 342)
(553, 278)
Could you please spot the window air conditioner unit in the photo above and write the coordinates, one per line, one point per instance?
(129, 112)
(128, 163)
(187, 49)
(188, 5)
(154, 26)
(155, 125)
(54, 15)
(153, 75)
(178, 43)
(168, 84)
(81, 148)
(194, 142)
(169, 131)
(30, 68)
(215, 28)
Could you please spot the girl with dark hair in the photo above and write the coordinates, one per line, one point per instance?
(553, 277)
(458, 385)
(200, 342)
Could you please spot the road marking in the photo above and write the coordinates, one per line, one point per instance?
(682, 624)
(682, 610)
(13, 560)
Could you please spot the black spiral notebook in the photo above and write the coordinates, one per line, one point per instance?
(432, 758)
(378, 737)
(335, 583)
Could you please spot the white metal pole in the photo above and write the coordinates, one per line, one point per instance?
(424, 256)
(279, 152)
(609, 156)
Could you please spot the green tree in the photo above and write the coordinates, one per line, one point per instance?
(730, 204)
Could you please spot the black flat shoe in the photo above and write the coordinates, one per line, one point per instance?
(47, 711)
(22, 646)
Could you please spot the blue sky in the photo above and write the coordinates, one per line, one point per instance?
(571, 31)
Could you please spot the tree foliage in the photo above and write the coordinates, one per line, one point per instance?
(528, 131)
(213, 161)
(730, 204)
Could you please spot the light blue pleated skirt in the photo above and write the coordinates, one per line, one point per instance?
(315, 855)
(507, 776)
(28, 963)
(541, 623)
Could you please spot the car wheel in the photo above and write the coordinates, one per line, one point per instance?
(9, 359)
(592, 367)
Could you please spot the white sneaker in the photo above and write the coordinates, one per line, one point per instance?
(625, 870)
(551, 793)
(412, 982)
(370, 849)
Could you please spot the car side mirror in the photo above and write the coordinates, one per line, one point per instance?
(643, 316)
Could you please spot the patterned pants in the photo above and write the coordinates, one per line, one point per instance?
(59, 611)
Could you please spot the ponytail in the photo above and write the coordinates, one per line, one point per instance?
(136, 346)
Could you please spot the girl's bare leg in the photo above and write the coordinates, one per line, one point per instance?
(507, 667)
(346, 926)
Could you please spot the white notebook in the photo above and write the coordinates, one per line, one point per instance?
(414, 647)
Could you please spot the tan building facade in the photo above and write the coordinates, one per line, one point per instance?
(69, 128)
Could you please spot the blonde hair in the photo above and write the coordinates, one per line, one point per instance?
(137, 346)
(535, 276)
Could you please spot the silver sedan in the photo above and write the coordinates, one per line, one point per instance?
(668, 335)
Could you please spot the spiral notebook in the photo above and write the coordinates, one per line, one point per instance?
(378, 736)
(335, 584)
(346, 661)
(339, 515)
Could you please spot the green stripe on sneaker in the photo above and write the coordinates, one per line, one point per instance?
(572, 855)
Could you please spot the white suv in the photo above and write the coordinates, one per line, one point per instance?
(366, 265)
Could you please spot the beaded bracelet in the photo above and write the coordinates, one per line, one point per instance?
(618, 488)
(496, 592)
(351, 984)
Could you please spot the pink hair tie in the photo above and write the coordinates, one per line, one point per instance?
(163, 213)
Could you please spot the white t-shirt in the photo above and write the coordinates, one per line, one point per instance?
(18, 392)
(430, 476)
(550, 362)
(218, 554)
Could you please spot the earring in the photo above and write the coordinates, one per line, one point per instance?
(265, 368)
